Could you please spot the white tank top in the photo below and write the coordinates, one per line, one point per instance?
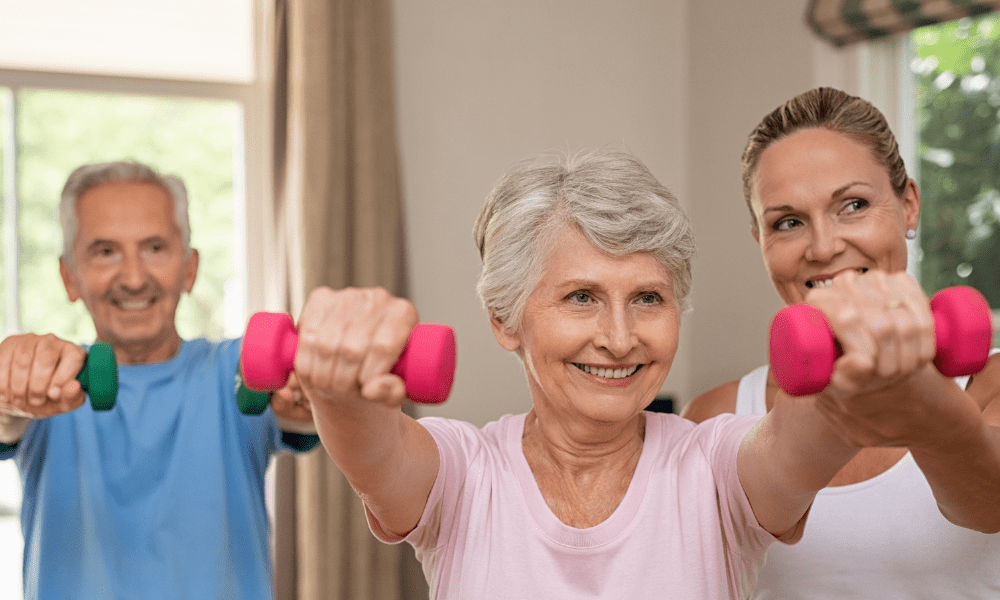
(883, 538)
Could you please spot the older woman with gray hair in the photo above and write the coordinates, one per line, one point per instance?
(586, 267)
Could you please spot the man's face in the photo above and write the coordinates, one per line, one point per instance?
(130, 268)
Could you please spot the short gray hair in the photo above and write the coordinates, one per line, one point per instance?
(87, 177)
(608, 193)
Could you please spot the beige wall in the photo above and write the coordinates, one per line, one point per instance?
(482, 83)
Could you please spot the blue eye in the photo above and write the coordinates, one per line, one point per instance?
(650, 298)
(580, 297)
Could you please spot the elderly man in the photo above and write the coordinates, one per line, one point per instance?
(162, 496)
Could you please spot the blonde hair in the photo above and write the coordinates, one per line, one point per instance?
(830, 109)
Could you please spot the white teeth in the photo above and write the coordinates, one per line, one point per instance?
(134, 305)
(819, 283)
(620, 373)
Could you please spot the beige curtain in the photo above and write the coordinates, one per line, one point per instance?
(338, 197)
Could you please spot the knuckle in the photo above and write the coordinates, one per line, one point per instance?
(353, 351)
(383, 346)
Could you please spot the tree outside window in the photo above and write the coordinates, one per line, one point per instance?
(956, 66)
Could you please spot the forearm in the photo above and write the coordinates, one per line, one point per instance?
(961, 461)
(791, 454)
(12, 427)
(390, 460)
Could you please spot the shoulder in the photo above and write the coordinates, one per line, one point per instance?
(714, 402)
(677, 434)
(454, 432)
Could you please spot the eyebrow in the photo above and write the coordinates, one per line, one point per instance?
(590, 284)
(105, 242)
(836, 194)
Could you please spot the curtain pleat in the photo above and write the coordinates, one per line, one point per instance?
(339, 199)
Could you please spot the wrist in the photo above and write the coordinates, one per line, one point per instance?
(951, 421)
(12, 426)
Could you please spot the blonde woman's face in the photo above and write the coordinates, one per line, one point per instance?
(824, 206)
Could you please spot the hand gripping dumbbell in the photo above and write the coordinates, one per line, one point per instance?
(99, 376)
(426, 366)
(803, 349)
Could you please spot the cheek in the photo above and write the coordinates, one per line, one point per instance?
(780, 258)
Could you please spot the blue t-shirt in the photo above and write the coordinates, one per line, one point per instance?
(160, 497)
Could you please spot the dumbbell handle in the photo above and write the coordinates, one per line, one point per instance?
(803, 349)
(426, 365)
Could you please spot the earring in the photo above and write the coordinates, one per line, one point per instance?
(911, 234)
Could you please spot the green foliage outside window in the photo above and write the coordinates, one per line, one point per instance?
(60, 130)
(4, 97)
(956, 67)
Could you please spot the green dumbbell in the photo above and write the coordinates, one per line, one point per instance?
(251, 402)
(99, 376)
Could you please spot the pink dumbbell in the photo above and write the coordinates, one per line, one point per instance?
(426, 366)
(802, 347)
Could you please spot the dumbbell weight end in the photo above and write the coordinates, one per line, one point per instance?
(99, 377)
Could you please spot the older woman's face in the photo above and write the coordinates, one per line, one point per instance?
(599, 332)
(824, 205)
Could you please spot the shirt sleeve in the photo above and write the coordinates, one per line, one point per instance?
(7, 451)
(721, 444)
(457, 443)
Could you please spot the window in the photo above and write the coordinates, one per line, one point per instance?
(57, 130)
(956, 72)
(186, 112)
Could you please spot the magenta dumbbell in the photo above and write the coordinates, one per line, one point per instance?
(426, 366)
(802, 347)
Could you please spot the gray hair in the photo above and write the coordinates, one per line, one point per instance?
(608, 193)
(90, 176)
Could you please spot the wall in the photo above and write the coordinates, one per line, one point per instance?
(481, 84)
(749, 58)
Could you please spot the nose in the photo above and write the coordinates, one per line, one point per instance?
(133, 275)
(825, 242)
(616, 332)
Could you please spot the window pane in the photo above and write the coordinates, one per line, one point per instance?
(11, 545)
(194, 139)
(956, 67)
(5, 99)
(10, 488)
(204, 40)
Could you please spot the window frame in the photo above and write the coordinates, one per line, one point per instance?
(253, 184)
(255, 252)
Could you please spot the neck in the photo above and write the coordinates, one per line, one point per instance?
(572, 448)
(143, 352)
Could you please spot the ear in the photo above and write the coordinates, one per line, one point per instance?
(911, 204)
(191, 271)
(508, 340)
(69, 280)
(755, 233)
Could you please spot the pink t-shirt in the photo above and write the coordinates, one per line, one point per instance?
(684, 529)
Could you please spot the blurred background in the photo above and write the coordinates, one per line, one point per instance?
(189, 87)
